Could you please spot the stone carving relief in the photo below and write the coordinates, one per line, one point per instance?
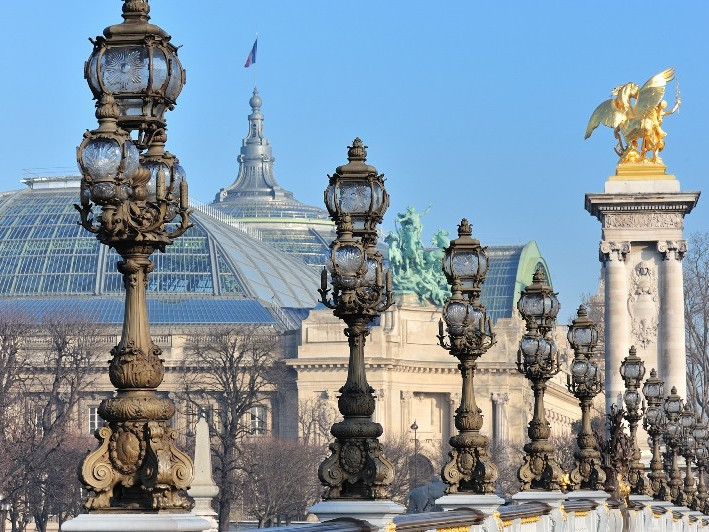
(643, 303)
(672, 220)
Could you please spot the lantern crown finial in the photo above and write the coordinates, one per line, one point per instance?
(582, 312)
(106, 107)
(653, 373)
(539, 277)
(136, 9)
(358, 151)
(465, 229)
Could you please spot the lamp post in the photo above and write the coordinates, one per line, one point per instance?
(632, 369)
(673, 437)
(686, 449)
(701, 455)
(654, 423)
(132, 191)
(415, 428)
(585, 383)
(361, 290)
(469, 335)
(538, 359)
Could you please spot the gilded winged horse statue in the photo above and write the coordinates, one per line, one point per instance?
(638, 120)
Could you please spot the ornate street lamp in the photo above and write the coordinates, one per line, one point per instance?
(538, 359)
(585, 383)
(701, 454)
(632, 369)
(129, 201)
(654, 423)
(357, 467)
(470, 335)
(357, 190)
(687, 446)
(673, 438)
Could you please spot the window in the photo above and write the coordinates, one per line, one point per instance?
(94, 419)
(257, 420)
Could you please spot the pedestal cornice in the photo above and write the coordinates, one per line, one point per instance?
(600, 205)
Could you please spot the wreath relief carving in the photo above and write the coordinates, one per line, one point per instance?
(643, 303)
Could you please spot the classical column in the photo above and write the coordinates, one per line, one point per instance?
(612, 255)
(380, 409)
(672, 361)
(453, 402)
(499, 417)
(406, 410)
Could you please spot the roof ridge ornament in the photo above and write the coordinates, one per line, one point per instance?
(358, 151)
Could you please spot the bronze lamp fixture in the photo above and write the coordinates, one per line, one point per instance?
(469, 336)
(538, 359)
(673, 438)
(632, 369)
(655, 423)
(131, 192)
(585, 383)
(361, 290)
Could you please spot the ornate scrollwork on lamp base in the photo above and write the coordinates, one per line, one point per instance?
(654, 423)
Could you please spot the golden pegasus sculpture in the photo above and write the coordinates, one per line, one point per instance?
(641, 119)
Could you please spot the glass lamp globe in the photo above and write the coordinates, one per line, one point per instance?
(455, 313)
(673, 403)
(348, 264)
(632, 369)
(136, 63)
(632, 399)
(687, 418)
(653, 388)
(674, 430)
(653, 415)
(700, 432)
(583, 332)
(465, 260)
(356, 189)
(538, 301)
(580, 368)
(701, 453)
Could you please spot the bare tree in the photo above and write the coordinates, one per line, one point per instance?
(231, 371)
(696, 310)
(278, 479)
(315, 417)
(40, 396)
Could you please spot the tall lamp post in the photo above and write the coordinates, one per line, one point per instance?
(632, 369)
(686, 449)
(673, 438)
(415, 428)
(538, 359)
(701, 455)
(361, 290)
(585, 383)
(132, 192)
(469, 336)
(655, 423)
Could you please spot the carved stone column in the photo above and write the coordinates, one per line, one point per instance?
(500, 431)
(406, 410)
(612, 255)
(673, 362)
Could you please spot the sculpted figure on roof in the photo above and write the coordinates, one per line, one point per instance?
(415, 268)
(635, 114)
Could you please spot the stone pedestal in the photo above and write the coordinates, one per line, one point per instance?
(553, 498)
(486, 504)
(597, 496)
(120, 522)
(378, 513)
(642, 214)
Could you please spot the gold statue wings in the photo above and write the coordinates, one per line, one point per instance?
(627, 117)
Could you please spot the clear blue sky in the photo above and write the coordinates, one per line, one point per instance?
(475, 108)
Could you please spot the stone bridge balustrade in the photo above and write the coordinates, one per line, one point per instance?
(578, 515)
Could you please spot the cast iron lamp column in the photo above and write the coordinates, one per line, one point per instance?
(632, 369)
(686, 449)
(654, 423)
(356, 200)
(701, 455)
(538, 359)
(673, 437)
(470, 335)
(128, 200)
(585, 384)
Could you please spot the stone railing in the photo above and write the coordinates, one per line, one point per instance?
(578, 515)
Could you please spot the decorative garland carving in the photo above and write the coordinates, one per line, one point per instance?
(643, 304)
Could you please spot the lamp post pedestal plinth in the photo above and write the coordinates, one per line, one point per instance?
(487, 504)
(137, 522)
(379, 513)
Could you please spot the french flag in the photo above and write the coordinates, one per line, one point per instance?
(252, 55)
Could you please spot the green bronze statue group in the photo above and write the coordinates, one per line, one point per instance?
(417, 269)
